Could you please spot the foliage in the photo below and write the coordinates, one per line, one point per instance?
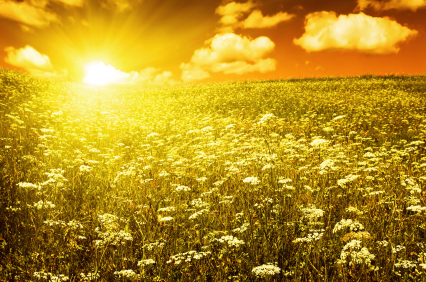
(289, 180)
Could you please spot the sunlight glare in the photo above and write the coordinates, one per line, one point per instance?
(97, 73)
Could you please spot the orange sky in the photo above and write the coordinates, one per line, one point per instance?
(176, 42)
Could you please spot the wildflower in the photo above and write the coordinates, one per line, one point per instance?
(416, 208)
(231, 241)
(355, 253)
(167, 209)
(315, 236)
(348, 179)
(127, 273)
(241, 229)
(27, 185)
(266, 118)
(165, 219)
(397, 249)
(344, 223)
(145, 262)
(383, 243)
(266, 270)
(252, 180)
(182, 188)
(311, 213)
(319, 143)
(405, 264)
(44, 205)
(85, 168)
(198, 213)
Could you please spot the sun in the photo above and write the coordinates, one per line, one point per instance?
(97, 73)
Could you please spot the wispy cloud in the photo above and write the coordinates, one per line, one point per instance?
(257, 20)
(412, 5)
(234, 15)
(119, 5)
(26, 13)
(230, 53)
(353, 32)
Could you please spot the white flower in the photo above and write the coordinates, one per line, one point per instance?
(344, 223)
(355, 253)
(182, 188)
(231, 241)
(44, 205)
(146, 262)
(252, 180)
(265, 270)
(312, 213)
(416, 208)
(167, 209)
(165, 219)
(85, 168)
(198, 213)
(317, 143)
(27, 185)
(266, 118)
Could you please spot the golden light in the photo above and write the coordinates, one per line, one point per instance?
(97, 73)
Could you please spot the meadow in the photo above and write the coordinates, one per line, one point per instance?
(288, 180)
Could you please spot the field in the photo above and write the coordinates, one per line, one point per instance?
(289, 180)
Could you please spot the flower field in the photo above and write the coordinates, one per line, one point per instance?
(289, 180)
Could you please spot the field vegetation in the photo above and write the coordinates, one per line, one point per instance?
(289, 180)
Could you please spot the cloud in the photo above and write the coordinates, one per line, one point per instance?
(241, 67)
(257, 20)
(118, 5)
(28, 59)
(77, 3)
(99, 73)
(230, 53)
(25, 13)
(233, 11)
(192, 73)
(412, 5)
(233, 15)
(353, 32)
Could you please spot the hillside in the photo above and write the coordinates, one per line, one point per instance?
(287, 180)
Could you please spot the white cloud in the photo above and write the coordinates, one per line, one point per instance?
(230, 53)
(233, 11)
(98, 73)
(233, 15)
(412, 5)
(257, 20)
(25, 13)
(28, 59)
(192, 73)
(353, 32)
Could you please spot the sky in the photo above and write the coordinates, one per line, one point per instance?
(156, 43)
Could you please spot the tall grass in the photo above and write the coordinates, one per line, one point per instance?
(292, 180)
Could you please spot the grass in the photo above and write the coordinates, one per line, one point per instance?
(289, 180)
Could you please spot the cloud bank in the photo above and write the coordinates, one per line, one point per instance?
(377, 5)
(353, 32)
(230, 53)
